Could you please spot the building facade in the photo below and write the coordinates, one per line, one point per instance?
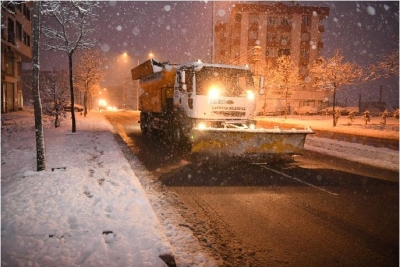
(16, 47)
(257, 34)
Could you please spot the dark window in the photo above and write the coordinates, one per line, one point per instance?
(19, 6)
(304, 53)
(253, 35)
(285, 22)
(11, 32)
(27, 12)
(306, 20)
(272, 21)
(238, 17)
(284, 52)
(3, 29)
(253, 18)
(271, 52)
(19, 31)
(11, 6)
(27, 39)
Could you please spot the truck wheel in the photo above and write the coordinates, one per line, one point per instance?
(177, 134)
(179, 140)
(144, 123)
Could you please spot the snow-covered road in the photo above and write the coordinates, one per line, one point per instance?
(95, 211)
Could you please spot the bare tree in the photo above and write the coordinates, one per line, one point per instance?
(54, 92)
(89, 71)
(69, 29)
(386, 67)
(40, 151)
(286, 77)
(332, 73)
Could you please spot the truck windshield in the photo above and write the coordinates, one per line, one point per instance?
(223, 81)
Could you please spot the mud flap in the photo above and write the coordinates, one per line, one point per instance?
(240, 142)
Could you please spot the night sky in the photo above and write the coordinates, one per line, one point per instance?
(180, 32)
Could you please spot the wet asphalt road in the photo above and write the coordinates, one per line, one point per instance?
(312, 211)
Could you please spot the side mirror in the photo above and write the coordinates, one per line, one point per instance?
(261, 90)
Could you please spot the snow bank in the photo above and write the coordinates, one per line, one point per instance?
(87, 209)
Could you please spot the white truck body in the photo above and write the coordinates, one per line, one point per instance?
(210, 108)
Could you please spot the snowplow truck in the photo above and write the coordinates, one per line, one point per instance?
(208, 108)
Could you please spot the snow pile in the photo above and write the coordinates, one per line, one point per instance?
(87, 209)
(379, 157)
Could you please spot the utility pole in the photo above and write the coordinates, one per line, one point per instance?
(212, 33)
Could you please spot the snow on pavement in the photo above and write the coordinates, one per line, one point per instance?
(92, 213)
(378, 157)
(95, 211)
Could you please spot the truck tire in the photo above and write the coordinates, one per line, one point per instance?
(177, 134)
(178, 139)
(144, 123)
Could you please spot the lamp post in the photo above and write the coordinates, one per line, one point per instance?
(124, 58)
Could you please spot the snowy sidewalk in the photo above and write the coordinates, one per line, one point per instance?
(92, 213)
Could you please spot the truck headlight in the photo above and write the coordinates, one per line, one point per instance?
(201, 126)
(250, 95)
(214, 92)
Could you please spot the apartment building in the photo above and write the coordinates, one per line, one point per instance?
(16, 34)
(258, 33)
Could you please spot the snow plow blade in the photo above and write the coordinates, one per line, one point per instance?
(242, 142)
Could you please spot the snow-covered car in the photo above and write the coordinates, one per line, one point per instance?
(306, 110)
(77, 107)
(342, 110)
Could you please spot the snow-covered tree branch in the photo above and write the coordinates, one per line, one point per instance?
(89, 71)
(69, 27)
(54, 93)
(285, 77)
(386, 67)
(332, 73)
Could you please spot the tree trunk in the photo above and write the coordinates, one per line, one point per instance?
(40, 151)
(57, 117)
(71, 88)
(286, 106)
(85, 102)
(333, 106)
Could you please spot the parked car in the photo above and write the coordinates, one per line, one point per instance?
(77, 107)
(306, 110)
(343, 111)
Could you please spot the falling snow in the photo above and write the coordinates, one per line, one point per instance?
(371, 10)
